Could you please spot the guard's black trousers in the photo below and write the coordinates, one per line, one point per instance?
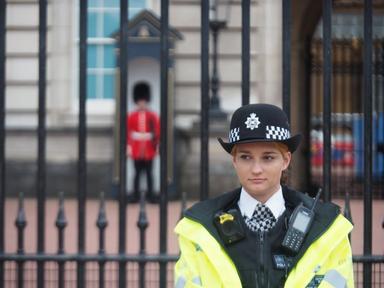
(141, 166)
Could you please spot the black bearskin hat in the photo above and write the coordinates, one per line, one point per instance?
(141, 91)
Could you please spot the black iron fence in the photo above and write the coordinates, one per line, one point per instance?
(81, 269)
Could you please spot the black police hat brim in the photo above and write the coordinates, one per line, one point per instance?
(292, 143)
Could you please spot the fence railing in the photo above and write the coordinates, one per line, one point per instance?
(84, 269)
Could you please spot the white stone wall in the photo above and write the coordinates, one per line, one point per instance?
(270, 73)
(22, 63)
(265, 60)
(62, 61)
(22, 57)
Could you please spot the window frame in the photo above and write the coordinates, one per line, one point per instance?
(98, 105)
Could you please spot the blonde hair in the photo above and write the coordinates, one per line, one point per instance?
(234, 150)
(283, 149)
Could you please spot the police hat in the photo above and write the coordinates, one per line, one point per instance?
(141, 91)
(260, 123)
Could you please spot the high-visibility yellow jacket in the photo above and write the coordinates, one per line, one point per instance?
(203, 261)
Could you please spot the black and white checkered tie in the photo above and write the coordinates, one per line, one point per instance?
(262, 219)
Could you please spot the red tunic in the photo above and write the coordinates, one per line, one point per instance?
(143, 134)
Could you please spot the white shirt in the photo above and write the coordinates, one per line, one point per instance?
(247, 203)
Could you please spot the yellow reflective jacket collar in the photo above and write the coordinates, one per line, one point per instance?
(303, 272)
(325, 214)
(207, 244)
(203, 212)
(318, 252)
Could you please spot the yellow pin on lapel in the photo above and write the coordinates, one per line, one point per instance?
(226, 217)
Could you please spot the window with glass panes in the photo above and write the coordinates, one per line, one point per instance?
(103, 20)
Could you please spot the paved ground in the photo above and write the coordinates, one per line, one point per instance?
(152, 233)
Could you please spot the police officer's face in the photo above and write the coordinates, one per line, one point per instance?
(259, 166)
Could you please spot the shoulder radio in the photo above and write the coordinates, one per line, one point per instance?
(298, 226)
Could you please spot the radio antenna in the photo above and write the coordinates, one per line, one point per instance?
(316, 199)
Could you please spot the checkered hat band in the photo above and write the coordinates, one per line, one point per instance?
(234, 135)
(262, 219)
(277, 133)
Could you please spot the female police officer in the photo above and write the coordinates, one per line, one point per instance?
(263, 234)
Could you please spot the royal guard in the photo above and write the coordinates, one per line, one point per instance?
(143, 135)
